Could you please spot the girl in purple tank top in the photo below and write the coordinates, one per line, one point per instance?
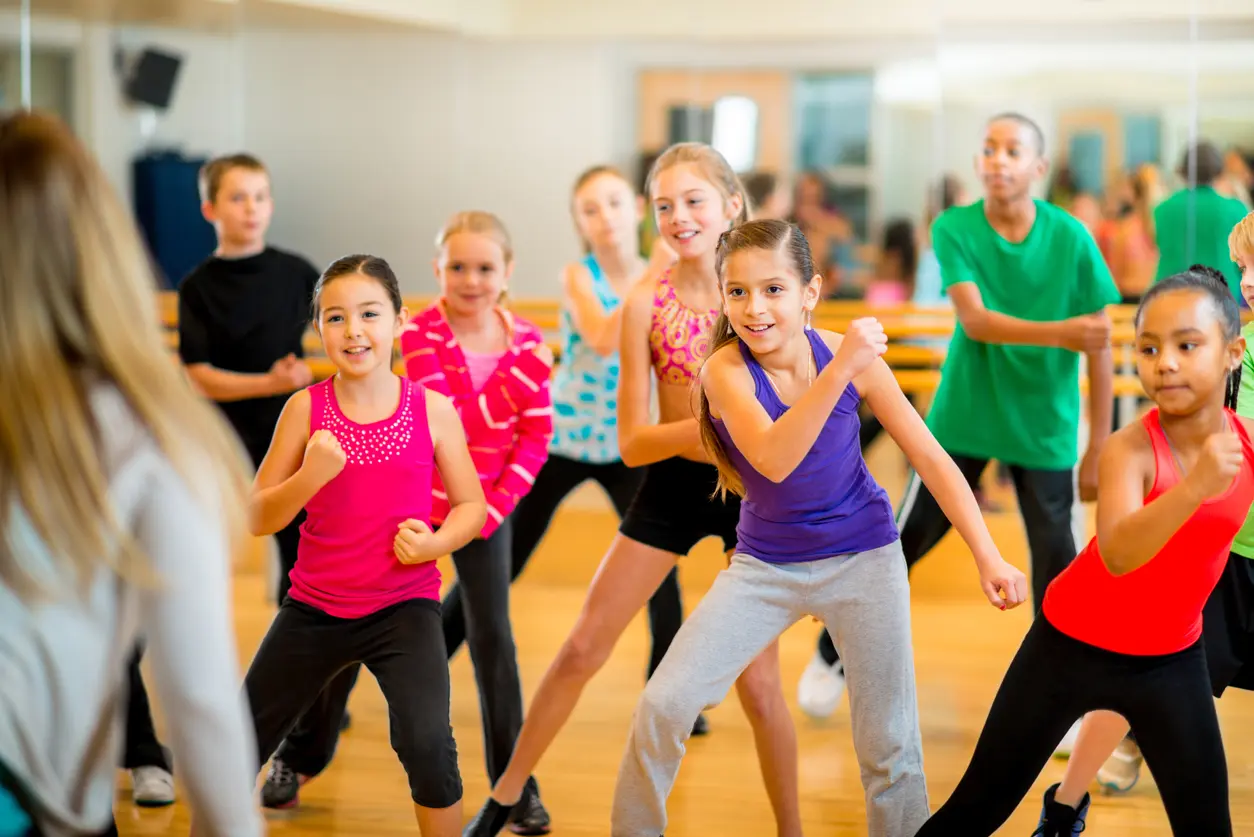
(358, 452)
(816, 537)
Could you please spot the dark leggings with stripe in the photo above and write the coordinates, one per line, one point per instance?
(1053, 681)
(1045, 501)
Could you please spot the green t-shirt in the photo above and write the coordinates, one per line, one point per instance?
(1017, 404)
(1244, 543)
(1192, 227)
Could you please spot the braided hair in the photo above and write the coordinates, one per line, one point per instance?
(1210, 281)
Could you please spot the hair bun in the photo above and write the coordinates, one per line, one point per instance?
(1209, 272)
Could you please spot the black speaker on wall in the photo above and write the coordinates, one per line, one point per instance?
(151, 81)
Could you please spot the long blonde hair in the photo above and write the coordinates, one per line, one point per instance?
(77, 304)
(767, 234)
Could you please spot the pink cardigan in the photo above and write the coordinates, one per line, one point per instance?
(508, 423)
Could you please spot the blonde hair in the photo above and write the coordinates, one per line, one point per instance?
(713, 167)
(1241, 240)
(766, 234)
(77, 303)
(214, 172)
(481, 223)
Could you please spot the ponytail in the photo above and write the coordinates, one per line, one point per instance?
(728, 477)
(1233, 389)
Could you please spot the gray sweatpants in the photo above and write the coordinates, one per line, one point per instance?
(864, 600)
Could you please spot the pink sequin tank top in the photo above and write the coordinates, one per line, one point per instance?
(680, 336)
(345, 566)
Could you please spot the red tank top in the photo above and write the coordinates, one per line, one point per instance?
(1157, 608)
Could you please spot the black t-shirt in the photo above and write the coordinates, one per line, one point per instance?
(241, 315)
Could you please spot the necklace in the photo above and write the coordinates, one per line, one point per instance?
(809, 376)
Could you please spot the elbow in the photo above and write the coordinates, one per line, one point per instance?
(257, 521)
(975, 324)
(630, 456)
(1112, 558)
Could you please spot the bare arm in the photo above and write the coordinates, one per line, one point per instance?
(599, 330)
(641, 442)
(773, 448)
(991, 327)
(283, 485)
(1101, 372)
(944, 481)
(467, 507)
(221, 385)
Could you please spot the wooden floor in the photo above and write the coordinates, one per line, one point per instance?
(962, 647)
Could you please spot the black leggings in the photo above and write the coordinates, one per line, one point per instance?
(1045, 502)
(1054, 680)
(141, 747)
(556, 480)
(305, 649)
(483, 572)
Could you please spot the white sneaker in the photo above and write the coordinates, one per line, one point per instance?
(152, 787)
(1067, 745)
(1120, 772)
(821, 687)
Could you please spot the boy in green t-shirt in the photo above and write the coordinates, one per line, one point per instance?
(1029, 286)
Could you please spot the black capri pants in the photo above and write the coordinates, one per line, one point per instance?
(402, 646)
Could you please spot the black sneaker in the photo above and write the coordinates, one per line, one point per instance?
(529, 816)
(492, 817)
(702, 726)
(1058, 820)
(282, 787)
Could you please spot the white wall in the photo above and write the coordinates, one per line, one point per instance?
(372, 151)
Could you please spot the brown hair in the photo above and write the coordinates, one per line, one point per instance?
(481, 223)
(214, 172)
(587, 176)
(77, 303)
(767, 234)
(1241, 241)
(713, 167)
(376, 268)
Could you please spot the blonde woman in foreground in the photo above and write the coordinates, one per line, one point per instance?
(122, 496)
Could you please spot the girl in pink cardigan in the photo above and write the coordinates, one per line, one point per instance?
(495, 367)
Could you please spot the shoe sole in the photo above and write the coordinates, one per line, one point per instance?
(154, 803)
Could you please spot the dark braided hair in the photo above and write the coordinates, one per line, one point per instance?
(1210, 281)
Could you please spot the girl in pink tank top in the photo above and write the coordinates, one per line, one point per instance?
(359, 453)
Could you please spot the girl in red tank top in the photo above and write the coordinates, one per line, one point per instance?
(1122, 624)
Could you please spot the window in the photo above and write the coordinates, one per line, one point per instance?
(735, 132)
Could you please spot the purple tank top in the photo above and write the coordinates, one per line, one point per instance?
(829, 505)
(345, 565)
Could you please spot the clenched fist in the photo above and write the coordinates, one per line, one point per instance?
(415, 543)
(864, 341)
(324, 458)
(1218, 465)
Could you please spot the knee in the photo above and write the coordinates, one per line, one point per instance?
(761, 692)
(583, 654)
(491, 639)
(429, 756)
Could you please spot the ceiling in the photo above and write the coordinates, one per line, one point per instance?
(748, 21)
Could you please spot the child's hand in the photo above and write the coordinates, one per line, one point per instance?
(1004, 584)
(290, 373)
(1087, 333)
(415, 543)
(1217, 467)
(864, 341)
(324, 457)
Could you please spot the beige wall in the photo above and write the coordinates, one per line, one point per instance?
(660, 90)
